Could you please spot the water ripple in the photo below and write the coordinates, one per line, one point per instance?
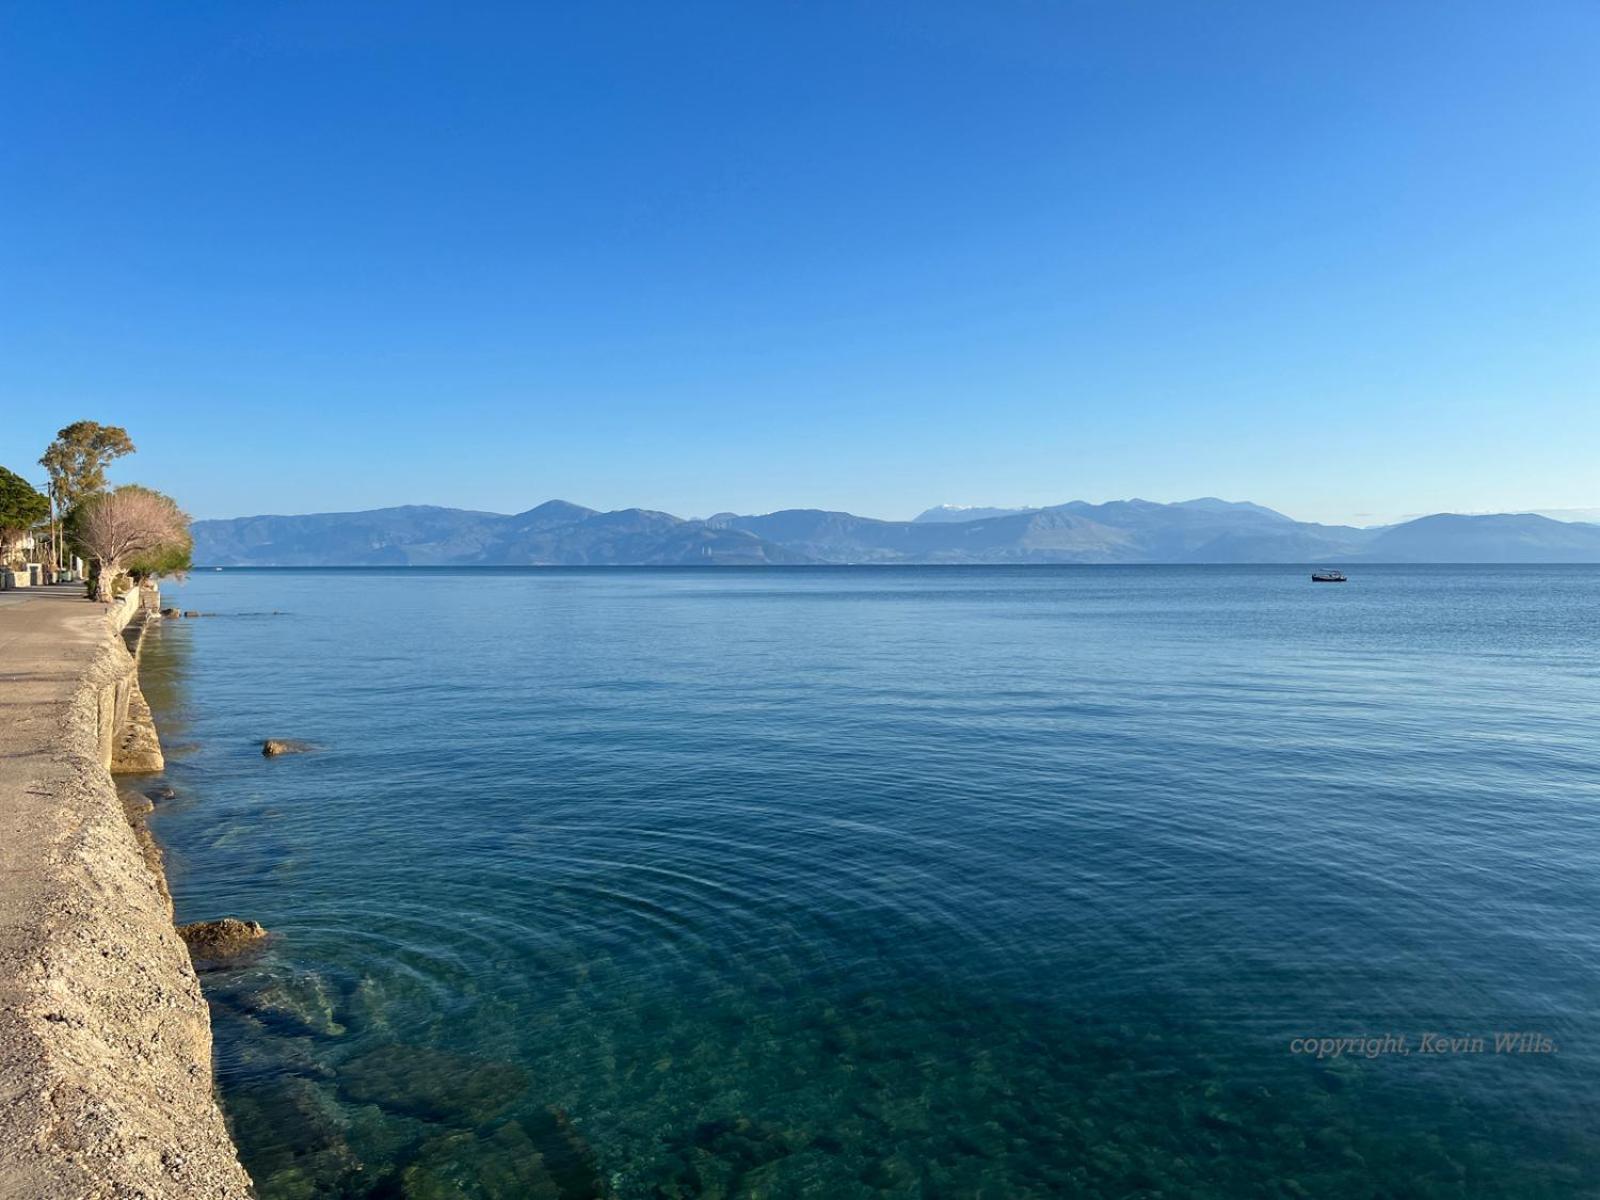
(953, 883)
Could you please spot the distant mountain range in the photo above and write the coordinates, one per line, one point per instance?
(963, 512)
(557, 533)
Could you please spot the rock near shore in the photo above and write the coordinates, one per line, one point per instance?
(218, 941)
(273, 747)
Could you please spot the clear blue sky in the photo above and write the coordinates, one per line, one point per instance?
(1340, 258)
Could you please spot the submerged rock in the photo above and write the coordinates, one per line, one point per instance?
(515, 1161)
(567, 1155)
(730, 1156)
(296, 1137)
(273, 747)
(136, 805)
(163, 791)
(171, 612)
(219, 941)
(301, 1002)
(463, 1166)
(256, 1050)
(432, 1084)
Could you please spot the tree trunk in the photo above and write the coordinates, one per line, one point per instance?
(102, 581)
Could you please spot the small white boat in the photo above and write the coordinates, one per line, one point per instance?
(1328, 577)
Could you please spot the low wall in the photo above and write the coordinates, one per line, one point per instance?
(105, 1040)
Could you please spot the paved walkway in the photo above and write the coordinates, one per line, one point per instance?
(47, 637)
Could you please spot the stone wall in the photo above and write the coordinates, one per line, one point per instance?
(106, 1084)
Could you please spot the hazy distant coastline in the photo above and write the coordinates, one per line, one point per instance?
(559, 533)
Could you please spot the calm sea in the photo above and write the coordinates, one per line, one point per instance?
(935, 882)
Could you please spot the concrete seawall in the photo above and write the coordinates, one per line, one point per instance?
(105, 1041)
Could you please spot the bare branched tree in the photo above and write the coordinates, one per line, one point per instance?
(114, 528)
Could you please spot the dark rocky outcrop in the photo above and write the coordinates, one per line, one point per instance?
(221, 940)
(273, 747)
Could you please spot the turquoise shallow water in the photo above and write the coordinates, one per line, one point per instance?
(936, 882)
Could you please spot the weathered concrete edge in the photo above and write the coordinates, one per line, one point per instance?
(106, 1089)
